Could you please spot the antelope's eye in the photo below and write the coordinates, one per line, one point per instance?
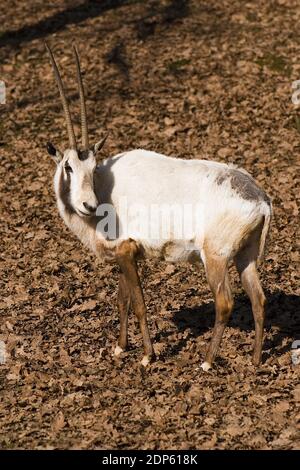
(68, 168)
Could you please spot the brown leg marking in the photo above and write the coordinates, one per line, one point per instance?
(246, 267)
(123, 307)
(126, 258)
(217, 276)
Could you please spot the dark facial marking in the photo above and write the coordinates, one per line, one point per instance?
(68, 168)
(83, 154)
(64, 191)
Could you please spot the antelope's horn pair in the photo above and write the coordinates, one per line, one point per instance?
(70, 128)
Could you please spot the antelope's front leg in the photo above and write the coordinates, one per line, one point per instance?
(126, 255)
(123, 308)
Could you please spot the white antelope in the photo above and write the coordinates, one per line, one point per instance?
(230, 212)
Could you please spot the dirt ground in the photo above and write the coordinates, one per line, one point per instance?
(197, 79)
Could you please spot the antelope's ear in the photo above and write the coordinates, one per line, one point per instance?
(98, 146)
(55, 154)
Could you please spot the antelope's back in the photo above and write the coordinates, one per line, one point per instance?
(151, 178)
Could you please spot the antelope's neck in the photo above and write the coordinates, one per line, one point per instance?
(84, 228)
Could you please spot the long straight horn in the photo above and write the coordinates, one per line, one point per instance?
(70, 128)
(84, 126)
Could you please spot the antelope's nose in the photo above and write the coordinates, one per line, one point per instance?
(91, 209)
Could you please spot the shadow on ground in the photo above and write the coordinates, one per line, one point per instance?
(282, 313)
(91, 9)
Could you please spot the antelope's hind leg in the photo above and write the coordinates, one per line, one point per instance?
(218, 279)
(246, 267)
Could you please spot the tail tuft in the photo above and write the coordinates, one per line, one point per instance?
(264, 233)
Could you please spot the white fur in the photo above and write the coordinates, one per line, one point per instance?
(148, 178)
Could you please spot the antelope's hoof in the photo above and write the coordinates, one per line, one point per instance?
(256, 361)
(118, 351)
(147, 359)
(205, 366)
